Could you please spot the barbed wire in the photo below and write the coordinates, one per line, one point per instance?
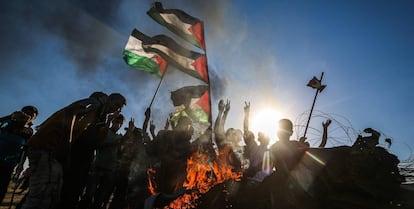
(341, 132)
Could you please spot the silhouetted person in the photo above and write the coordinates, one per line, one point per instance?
(49, 147)
(172, 148)
(15, 129)
(131, 190)
(286, 153)
(257, 154)
(81, 157)
(102, 175)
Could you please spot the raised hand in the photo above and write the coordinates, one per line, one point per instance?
(326, 123)
(246, 106)
(303, 139)
(227, 107)
(246, 116)
(148, 112)
(152, 126)
(221, 105)
(131, 123)
(112, 117)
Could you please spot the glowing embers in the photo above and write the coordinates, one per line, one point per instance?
(203, 173)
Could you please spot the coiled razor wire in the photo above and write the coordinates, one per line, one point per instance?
(341, 132)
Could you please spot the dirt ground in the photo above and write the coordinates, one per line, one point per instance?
(17, 197)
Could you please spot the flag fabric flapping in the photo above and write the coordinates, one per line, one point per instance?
(182, 24)
(136, 56)
(316, 84)
(190, 62)
(192, 101)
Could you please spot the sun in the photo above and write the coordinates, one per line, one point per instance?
(266, 121)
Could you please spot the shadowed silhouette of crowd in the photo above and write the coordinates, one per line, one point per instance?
(79, 159)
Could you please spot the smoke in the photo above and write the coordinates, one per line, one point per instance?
(74, 47)
(85, 39)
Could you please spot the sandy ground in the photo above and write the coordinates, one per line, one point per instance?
(17, 197)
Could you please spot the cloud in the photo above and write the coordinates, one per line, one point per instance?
(71, 48)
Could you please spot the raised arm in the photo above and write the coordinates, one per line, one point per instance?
(218, 119)
(246, 117)
(146, 120)
(152, 129)
(226, 112)
(325, 133)
(167, 125)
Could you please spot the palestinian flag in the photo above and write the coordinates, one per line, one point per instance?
(192, 101)
(190, 62)
(136, 57)
(316, 84)
(187, 27)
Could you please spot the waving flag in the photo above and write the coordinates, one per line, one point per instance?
(192, 101)
(136, 57)
(180, 23)
(316, 84)
(190, 62)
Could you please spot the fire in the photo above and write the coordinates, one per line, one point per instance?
(152, 186)
(203, 173)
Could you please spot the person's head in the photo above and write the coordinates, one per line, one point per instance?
(30, 111)
(117, 122)
(115, 103)
(184, 124)
(248, 135)
(285, 129)
(234, 135)
(263, 139)
(100, 96)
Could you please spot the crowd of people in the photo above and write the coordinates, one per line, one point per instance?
(79, 159)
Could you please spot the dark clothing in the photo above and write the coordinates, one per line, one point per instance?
(53, 141)
(13, 136)
(16, 124)
(107, 153)
(45, 181)
(255, 153)
(119, 200)
(99, 189)
(132, 181)
(173, 149)
(76, 173)
(10, 147)
(55, 131)
(102, 177)
(286, 155)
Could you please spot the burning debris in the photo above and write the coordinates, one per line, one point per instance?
(337, 177)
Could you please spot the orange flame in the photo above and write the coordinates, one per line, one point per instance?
(203, 173)
(152, 186)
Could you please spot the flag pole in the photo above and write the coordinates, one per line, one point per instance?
(145, 124)
(210, 117)
(313, 105)
(158, 87)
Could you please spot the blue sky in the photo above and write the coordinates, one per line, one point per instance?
(265, 52)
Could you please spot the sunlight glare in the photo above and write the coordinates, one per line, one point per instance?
(266, 121)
